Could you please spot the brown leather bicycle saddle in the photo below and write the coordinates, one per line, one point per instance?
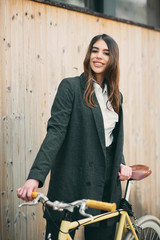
(140, 172)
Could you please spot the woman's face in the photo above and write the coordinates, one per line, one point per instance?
(99, 58)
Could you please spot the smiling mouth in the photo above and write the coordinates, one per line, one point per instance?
(98, 64)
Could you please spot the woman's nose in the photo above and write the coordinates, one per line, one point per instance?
(99, 55)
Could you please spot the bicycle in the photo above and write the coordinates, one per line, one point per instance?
(129, 228)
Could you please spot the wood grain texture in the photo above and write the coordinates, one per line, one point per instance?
(42, 44)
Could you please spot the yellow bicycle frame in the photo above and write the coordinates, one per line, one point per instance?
(122, 226)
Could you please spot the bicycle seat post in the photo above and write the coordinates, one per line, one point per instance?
(128, 189)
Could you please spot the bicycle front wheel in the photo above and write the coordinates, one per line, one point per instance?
(147, 228)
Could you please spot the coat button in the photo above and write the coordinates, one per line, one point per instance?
(88, 183)
(91, 164)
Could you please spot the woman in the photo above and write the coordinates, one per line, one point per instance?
(83, 147)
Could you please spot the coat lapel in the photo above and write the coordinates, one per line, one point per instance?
(97, 114)
(99, 123)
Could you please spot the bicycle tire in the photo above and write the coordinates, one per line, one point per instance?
(150, 229)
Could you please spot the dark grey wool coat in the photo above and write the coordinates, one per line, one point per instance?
(74, 149)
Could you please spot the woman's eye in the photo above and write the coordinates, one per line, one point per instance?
(106, 53)
(94, 51)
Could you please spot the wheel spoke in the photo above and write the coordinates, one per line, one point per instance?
(149, 234)
(147, 228)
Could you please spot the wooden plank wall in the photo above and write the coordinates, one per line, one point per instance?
(39, 46)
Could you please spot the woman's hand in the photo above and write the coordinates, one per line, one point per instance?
(125, 172)
(25, 192)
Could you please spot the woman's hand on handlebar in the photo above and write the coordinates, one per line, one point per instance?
(125, 172)
(25, 192)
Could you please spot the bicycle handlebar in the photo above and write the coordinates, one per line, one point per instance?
(60, 206)
(34, 195)
(111, 207)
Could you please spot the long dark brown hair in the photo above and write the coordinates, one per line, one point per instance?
(111, 75)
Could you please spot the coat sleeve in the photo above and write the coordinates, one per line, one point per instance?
(56, 131)
(123, 159)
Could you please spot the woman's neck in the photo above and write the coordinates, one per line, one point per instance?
(100, 81)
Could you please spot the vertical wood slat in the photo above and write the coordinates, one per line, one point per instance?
(2, 127)
(39, 46)
(7, 174)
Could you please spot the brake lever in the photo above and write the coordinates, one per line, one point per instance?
(40, 198)
(82, 210)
